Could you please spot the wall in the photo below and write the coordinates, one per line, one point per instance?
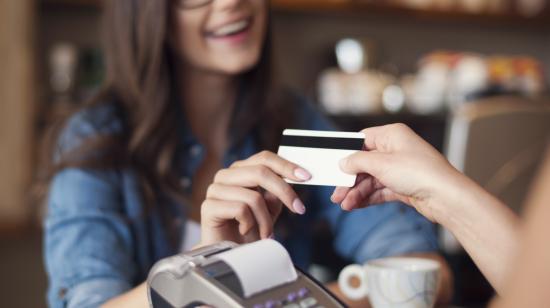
(305, 41)
(16, 101)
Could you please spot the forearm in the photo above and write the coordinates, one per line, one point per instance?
(135, 298)
(487, 229)
(527, 285)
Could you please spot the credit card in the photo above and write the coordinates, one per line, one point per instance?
(320, 152)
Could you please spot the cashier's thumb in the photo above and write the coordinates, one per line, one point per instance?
(365, 162)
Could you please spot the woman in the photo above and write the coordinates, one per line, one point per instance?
(172, 141)
(513, 256)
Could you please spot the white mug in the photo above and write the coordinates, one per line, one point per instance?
(393, 282)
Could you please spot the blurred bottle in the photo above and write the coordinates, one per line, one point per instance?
(351, 55)
(393, 98)
(522, 75)
(63, 58)
(469, 77)
(448, 79)
(358, 93)
(426, 91)
(352, 88)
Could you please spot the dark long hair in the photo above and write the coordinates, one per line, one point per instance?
(140, 83)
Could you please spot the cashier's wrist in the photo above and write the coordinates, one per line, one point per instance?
(449, 199)
(435, 194)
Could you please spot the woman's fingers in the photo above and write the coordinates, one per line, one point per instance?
(217, 213)
(276, 163)
(234, 194)
(250, 197)
(262, 176)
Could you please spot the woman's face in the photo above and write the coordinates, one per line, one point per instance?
(223, 36)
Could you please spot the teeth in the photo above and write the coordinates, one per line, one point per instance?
(231, 28)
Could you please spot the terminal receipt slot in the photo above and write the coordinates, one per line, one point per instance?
(258, 275)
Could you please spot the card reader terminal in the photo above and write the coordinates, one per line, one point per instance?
(256, 275)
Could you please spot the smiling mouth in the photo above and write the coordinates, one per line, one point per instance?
(231, 29)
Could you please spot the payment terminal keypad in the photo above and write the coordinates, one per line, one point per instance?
(299, 299)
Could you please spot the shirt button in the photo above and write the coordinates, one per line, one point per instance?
(62, 293)
(185, 182)
(195, 150)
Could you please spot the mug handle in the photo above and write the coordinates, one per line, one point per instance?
(350, 271)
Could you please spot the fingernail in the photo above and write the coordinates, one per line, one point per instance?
(302, 174)
(298, 206)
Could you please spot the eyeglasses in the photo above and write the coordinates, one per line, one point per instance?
(192, 4)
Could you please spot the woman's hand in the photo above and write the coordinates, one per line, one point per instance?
(245, 199)
(397, 165)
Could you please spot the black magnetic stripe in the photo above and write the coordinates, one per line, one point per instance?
(322, 142)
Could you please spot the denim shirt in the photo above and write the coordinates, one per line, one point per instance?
(100, 243)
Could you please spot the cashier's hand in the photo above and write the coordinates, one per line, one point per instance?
(245, 199)
(397, 165)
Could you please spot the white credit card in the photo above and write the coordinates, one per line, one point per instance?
(320, 152)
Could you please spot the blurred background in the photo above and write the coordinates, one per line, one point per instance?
(470, 76)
